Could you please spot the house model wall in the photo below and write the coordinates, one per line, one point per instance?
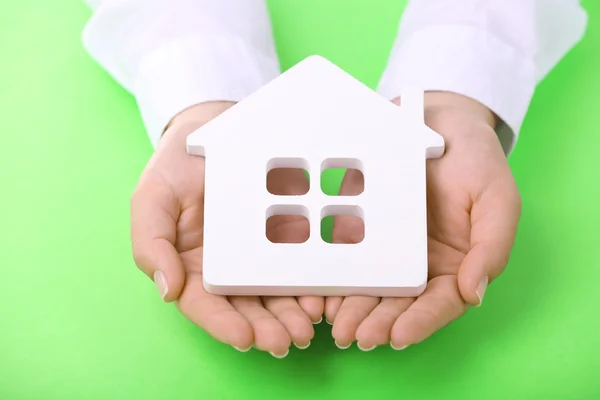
(316, 116)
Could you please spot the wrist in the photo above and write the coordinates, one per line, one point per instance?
(195, 116)
(453, 101)
(441, 102)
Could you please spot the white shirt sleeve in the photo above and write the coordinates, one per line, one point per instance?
(174, 54)
(494, 51)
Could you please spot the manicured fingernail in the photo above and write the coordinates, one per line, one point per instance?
(365, 348)
(397, 348)
(483, 283)
(302, 347)
(319, 321)
(242, 350)
(161, 283)
(328, 321)
(342, 347)
(281, 356)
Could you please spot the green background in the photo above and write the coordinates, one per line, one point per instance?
(78, 321)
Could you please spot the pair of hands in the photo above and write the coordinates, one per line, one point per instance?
(473, 212)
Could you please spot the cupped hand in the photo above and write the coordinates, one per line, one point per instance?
(473, 209)
(167, 233)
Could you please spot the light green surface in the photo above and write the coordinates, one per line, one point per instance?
(78, 321)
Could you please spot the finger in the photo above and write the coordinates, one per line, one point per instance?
(376, 328)
(214, 314)
(439, 305)
(332, 307)
(352, 313)
(269, 334)
(154, 213)
(349, 228)
(292, 317)
(313, 306)
(494, 220)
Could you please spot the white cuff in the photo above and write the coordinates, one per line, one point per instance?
(196, 69)
(469, 61)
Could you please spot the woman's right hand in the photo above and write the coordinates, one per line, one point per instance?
(167, 210)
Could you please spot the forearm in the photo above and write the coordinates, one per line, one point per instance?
(494, 52)
(176, 54)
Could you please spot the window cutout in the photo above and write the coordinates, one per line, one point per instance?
(352, 218)
(287, 224)
(333, 171)
(282, 171)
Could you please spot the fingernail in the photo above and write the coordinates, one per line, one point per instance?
(319, 321)
(328, 321)
(483, 283)
(342, 347)
(302, 347)
(365, 348)
(397, 348)
(242, 350)
(161, 283)
(281, 356)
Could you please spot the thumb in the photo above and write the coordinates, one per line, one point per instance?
(349, 228)
(154, 213)
(494, 220)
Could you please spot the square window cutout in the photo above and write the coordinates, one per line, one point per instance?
(351, 224)
(332, 172)
(288, 176)
(287, 223)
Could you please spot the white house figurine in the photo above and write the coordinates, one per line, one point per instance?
(316, 116)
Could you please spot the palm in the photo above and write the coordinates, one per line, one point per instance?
(448, 225)
(169, 204)
(472, 212)
(448, 217)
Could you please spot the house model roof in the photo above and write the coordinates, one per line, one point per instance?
(315, 116)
